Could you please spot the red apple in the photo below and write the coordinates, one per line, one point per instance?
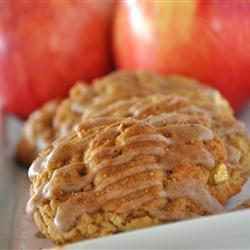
(45, 46)
(208, 40)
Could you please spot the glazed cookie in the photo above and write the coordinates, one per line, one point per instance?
(112, 174)
(85, 100)
(231, 131)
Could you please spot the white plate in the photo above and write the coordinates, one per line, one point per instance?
(228, 231)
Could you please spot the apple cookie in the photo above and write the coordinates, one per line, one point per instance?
(85, 100)
(112, 174)
(225, 125)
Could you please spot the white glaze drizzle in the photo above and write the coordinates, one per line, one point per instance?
(171, 151)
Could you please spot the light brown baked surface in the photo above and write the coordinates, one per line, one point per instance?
(246, 204)
(138, 163)
(37, 133)
(50, 122)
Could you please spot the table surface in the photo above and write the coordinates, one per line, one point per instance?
(16, 230)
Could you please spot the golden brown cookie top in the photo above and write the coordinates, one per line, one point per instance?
(123, 85)
(123, 164)
(225, 125)
(86, 100)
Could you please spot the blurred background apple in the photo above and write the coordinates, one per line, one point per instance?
(208, 40)
(45, 46)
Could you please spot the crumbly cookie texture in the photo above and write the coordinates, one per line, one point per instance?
(137, 163)
(84, 101)
(37, 133)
